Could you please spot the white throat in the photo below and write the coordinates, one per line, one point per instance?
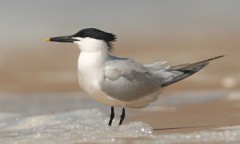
(94, 53)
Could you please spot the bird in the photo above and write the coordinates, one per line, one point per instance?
(121, 82)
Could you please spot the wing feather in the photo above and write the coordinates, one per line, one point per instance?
(127, 80)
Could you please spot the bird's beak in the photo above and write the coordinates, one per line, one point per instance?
(68, 39)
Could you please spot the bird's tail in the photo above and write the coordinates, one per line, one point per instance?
(185, 70)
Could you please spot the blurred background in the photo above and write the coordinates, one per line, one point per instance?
(174, 31)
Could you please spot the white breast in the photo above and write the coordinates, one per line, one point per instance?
(90, 74)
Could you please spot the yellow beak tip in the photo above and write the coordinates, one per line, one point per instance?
(47, 39)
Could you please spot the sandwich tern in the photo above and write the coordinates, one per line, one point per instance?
(121, 82)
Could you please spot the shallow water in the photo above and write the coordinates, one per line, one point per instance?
(74, 118)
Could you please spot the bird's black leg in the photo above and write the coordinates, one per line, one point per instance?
(111, 116)
(122, 116)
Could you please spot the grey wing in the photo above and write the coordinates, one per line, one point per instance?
(127, 80)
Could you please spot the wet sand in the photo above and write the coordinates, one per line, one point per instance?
(193, 117)
(190, 116)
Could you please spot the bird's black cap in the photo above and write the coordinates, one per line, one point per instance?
(96, 34)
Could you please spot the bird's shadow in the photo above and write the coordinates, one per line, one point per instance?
(178, 128)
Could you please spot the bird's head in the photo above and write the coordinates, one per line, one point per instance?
(88, 39)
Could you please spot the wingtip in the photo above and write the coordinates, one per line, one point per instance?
(220, 56)
(217, 57)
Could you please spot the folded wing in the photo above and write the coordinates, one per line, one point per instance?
(127, 80)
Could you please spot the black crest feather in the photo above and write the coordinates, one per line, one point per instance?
(97, 34)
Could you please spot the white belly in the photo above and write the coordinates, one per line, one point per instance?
(95, 93)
